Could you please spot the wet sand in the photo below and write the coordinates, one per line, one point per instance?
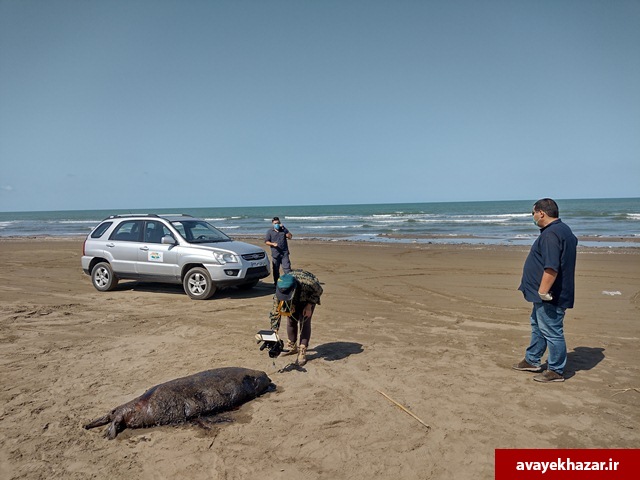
(434, 327)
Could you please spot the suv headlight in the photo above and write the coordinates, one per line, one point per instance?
(224, 258)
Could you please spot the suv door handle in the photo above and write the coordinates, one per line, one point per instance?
(110, 245)
(145, 248)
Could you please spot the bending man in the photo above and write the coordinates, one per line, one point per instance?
(296, 297)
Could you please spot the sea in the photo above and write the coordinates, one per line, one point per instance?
(612, 222)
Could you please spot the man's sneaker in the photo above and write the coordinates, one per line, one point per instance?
(525, 366)
(302, 356)
(549, 376)
(290, 349)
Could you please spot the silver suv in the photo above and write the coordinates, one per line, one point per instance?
(170, 249)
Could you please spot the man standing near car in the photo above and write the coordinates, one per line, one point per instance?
(548, 282)
(276, 237)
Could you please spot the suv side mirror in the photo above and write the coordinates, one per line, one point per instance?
(168, 240)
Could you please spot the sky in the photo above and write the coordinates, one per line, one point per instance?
(192, 103)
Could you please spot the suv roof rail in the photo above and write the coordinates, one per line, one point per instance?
(155, 215)
(124, 215)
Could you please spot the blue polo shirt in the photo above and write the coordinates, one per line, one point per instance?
(279, 237)
(555, 248)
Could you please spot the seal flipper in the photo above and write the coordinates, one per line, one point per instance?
(117, 425)
(98, 422)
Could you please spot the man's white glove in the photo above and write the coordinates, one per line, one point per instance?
(545, 296)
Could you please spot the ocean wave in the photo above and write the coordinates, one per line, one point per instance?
(317, 218)
(446, 220)
(74, 222)
(409, 217)
(333, 227)
(507, 215)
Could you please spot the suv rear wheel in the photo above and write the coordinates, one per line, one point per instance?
(103, 277)
(198, 285)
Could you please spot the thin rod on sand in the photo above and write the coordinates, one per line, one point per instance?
(403, 408)
(625, 390)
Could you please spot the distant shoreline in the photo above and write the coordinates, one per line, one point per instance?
(333, 238)
(608, 244)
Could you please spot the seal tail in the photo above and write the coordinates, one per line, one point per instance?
(98, 422)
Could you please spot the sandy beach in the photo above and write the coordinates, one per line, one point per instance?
(434, 327)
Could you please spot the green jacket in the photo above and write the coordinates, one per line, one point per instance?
(308, 290)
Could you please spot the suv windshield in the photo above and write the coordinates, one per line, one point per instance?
(197, 231)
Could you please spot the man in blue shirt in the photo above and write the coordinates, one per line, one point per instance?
(548, 281)
(276, 237)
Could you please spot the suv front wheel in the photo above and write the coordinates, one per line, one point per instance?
(198, 285)
(103, 277)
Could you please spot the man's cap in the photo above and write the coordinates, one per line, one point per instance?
(286, 287)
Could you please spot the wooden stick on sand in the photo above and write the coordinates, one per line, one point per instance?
(403, 408)
(625, 390)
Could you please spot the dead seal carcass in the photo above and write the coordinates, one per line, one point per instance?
(182, 399)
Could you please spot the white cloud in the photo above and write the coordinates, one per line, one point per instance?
(7, 188)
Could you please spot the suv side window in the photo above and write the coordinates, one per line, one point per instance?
(154, 231)
(128, 231)
(100, 229)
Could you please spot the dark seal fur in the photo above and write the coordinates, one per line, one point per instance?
(182, 399)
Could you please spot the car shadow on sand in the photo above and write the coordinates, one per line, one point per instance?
(260, 290)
